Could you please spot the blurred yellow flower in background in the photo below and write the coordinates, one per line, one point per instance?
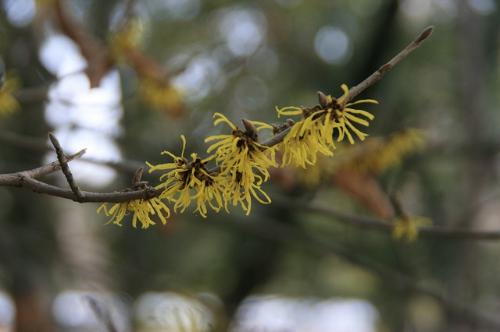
(8, 104)
(407, 227)
(161, 94)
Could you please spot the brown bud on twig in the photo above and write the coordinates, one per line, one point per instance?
(323, 100)
(137, 182)
(425, 34)
(137, 176)
(251, 131)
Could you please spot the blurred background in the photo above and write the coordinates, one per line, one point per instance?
(125, 78)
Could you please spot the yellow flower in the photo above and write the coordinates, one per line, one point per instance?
(243, 162)
(396, 148)
(142, 210)
(127, 37)
(161, 95)
(384, 153)
(306, 138)
(378, 154)
(407, 227)
(345, 116)
(8, 103)
(316, 132)
(186, 181)
(241, 189)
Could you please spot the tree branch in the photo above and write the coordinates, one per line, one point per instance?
(370, 80)
(64, 167)
(387, 227)
(92, 49)
(29, 182)
(28, 179)
(377, 75)
(22, 180)
(37, 144)
(10, 179)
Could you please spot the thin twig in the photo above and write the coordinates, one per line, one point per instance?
(103, 312)
(37, 144)
(28, 179)
(21, 181)
(65, 168)
(377, 75)
(387, 227)
(6, 179)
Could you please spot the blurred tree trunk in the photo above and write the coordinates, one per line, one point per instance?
(33, 313)
(472, 95)
(379, 41)
(255, 260)
(26, 224)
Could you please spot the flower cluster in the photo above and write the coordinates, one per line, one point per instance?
(189, 180)
(142, 210)
(306, 138)
(241, 162)
(332, 120)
